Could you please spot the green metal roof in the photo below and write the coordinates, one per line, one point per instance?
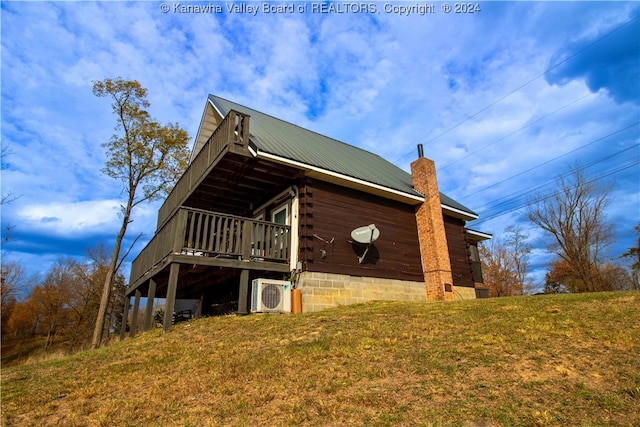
(286, 140)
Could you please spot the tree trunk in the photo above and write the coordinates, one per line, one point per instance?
(50, 337)
(110, 278)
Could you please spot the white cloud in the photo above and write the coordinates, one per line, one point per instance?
(66, 219)
(383, 82)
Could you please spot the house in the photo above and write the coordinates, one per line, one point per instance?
(263, 198)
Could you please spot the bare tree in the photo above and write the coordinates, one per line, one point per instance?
(574, 217)
(144, 156)
(519, 248)
(505, 263)
(633, 254)
(6, 198)
(4, 152)
(615, 277)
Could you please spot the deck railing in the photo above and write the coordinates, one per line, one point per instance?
(202, 233)
(232, 134)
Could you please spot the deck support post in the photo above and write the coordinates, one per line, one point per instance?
(134, 320)
(199, 307)
(148, 311)
(243, 294)
(174, 270)
(243, 297)
(125, 318)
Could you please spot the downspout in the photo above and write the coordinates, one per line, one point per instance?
(295, 241)
(294, 268)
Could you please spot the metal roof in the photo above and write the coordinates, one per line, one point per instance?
(288, 141)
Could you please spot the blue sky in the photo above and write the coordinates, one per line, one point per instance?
(504, 100)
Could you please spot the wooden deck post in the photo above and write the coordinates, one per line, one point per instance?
(171, 296)
(180, 230)
(243, 297)
(148, 311)
(134, 320)
(125, 318)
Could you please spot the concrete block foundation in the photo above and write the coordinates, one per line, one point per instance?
(321, 291)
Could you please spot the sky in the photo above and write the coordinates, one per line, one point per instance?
(505, 100)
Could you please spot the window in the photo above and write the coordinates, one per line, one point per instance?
(280, 215)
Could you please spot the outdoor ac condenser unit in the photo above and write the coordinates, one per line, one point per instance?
(270, 296)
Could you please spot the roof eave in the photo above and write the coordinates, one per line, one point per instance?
(341, 179)
(477, 236)
(457, 213)
(208, 123)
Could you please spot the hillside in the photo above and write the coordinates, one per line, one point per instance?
(541, 360)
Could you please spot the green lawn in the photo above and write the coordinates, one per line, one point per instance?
(539, 360)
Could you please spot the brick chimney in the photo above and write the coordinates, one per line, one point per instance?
(434, 251)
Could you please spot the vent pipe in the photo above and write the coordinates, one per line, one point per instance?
(420, 151)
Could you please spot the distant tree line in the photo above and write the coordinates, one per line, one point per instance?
(573, 220)
(60, 307)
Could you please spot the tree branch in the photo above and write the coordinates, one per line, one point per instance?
(126, 254)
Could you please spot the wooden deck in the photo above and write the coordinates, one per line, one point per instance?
(196, 236)
(231, 136)
(194, 248)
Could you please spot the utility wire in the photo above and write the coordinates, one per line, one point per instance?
(528, 124)
(491, 214)
(497, 207)
(553, 159)
(555, 193)
(517, 194)
(568, 58)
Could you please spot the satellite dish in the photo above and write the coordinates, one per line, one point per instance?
(366, 236)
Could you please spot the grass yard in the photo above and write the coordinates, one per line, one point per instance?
(529, 361)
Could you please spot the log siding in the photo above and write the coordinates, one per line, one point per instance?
(328, 214)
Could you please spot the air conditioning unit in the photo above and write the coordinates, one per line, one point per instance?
(270, 296)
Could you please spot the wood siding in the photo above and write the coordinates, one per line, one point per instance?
(458, 252)
(328, 214)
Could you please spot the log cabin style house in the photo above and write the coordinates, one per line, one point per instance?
(265, 200)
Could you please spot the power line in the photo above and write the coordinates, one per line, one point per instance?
(568, 58)
(499, 207)
(555, 193)
(553, 159)
(522, 192)
(535, 78)
(520, 129)
(499, 213)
